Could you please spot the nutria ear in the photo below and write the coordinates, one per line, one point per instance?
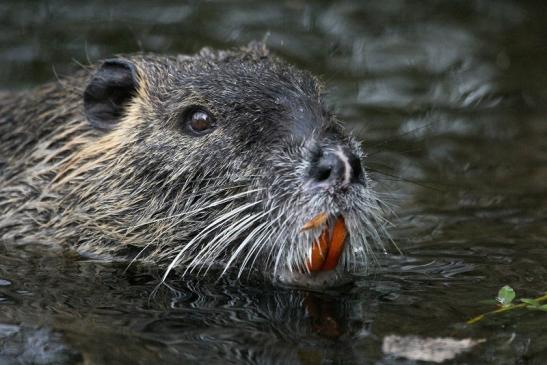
(108, 92)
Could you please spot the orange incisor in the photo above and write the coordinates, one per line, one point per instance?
(326, 249)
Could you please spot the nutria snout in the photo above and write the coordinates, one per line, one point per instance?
(190, 162)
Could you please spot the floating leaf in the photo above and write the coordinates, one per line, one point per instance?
(529, 301)
(539, 307)
(506, 295)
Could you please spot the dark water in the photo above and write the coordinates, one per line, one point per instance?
(450, 99)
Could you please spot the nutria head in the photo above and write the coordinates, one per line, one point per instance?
(217, 160)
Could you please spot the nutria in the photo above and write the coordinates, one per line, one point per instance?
(215, 160)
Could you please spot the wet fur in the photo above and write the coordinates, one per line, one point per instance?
(237, 197)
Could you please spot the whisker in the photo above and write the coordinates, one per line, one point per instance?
(211, 251)
(260, 228)
(204, 232)
(259, 242)
(399, 178)
(214, 204)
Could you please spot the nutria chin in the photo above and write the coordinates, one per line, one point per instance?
(215, 160)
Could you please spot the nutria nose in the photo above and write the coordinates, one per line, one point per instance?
(336, 166)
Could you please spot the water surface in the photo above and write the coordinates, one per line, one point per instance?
(450, 100)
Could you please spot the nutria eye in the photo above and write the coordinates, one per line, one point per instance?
(198, 121)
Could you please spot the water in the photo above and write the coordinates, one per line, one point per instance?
(450, 99)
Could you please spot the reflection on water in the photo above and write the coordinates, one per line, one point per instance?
(450, 101)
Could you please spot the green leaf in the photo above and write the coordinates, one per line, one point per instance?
(542, 307)
(506, 295)
(529, 301)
